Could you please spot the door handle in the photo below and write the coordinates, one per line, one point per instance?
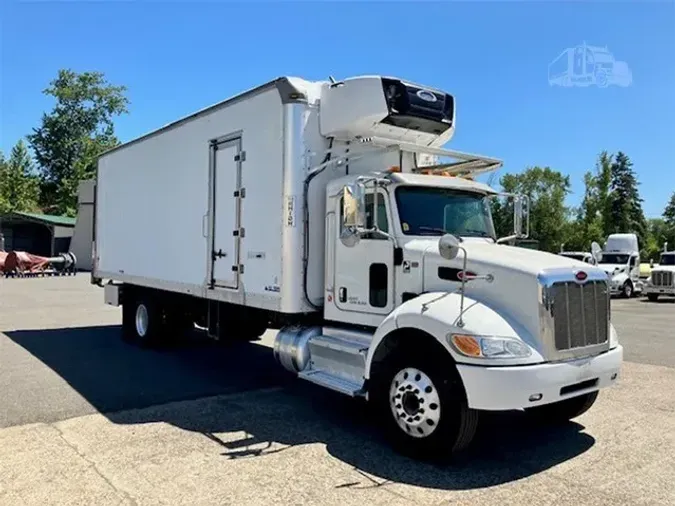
(342, 294)
(205, 222)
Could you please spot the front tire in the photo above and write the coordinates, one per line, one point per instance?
(627, 289)
(420, 401)
(563, 411)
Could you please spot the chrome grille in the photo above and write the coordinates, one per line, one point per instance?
(580, 314)
(662, 278)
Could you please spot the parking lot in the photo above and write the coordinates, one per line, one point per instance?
(87, 419)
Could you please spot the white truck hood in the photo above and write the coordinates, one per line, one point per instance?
(612, 269)
(514, 292)
(663, 268)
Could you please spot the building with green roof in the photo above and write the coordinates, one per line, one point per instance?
(40, 234)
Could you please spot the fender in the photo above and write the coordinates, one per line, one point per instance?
(440, 318)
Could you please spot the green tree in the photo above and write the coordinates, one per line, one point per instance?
(74, 133)
(658, 233)
(669, 223)
(669, 212)
(547, 190)
(19, 188)
(596, 203)
(625, 205)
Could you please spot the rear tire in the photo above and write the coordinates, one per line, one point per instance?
(653, 297)
(142, 321)
(420, 402)
(563, 411)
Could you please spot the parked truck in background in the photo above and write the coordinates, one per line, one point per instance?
(661, 281)
(582, 256)
(621, 260)
(329, 211)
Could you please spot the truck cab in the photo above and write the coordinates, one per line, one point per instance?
(621, 261)
(661, 281)
(374, 270)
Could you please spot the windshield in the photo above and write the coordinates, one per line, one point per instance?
(572, 255)
(614, 258)
(667, 260)
(436, 211)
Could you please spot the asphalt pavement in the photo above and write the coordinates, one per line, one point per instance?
(89, 419)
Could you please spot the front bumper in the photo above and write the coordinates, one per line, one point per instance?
(660, 290)
(506, 388)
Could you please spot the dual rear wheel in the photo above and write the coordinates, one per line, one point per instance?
(151, 319)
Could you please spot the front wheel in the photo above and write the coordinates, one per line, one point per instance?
(627, 289)
(420, 401)
(564, 411)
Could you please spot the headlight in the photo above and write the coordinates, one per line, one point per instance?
(488, 346)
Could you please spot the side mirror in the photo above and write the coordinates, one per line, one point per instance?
(521, 215)
(448, 246)
(354, 206)
(350, 237)
(596, 251)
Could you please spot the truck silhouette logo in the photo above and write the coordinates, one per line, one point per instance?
(586, 65)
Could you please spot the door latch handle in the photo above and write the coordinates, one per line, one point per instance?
(205, 223)
(342, 294)
(218, 254)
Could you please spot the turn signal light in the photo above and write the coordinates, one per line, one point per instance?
(467, 345)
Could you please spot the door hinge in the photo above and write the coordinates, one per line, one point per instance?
(240, 193)
(238, 268)
(240, 157)
(239, 233)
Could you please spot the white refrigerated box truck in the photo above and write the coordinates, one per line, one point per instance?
(329, 211)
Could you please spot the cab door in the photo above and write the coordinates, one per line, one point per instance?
(634, 268)
(364, 273)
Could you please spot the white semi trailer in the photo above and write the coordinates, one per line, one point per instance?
(329, 211)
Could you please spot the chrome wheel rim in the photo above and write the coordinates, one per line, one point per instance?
(415, 402)
(141, 320)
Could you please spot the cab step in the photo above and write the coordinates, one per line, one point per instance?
(332, 382)
(338, 360)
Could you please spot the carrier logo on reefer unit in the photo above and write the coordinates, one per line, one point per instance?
(427, 96)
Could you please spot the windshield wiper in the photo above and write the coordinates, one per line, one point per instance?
(432, 229)
(479, 233)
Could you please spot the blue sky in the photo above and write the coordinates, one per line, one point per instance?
(177, 57)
